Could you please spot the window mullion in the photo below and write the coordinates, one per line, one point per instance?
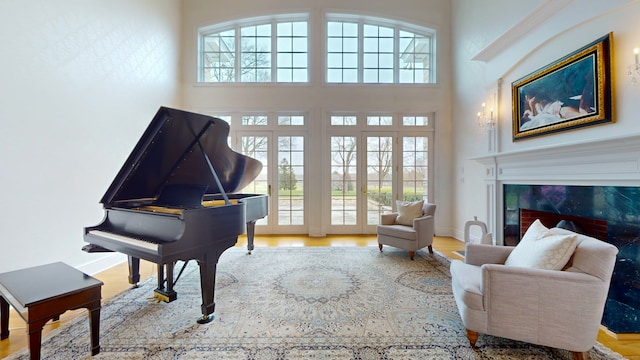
(360, 52)
(396, 55)
(238, 52)
(274, 51)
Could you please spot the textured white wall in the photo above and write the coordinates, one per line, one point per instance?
(477, 25)
(79, 82)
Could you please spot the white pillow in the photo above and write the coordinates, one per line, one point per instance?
(540, 249)
(407, 211)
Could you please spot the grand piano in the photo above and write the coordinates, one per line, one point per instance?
(175, 199)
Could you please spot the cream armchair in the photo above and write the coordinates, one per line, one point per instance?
(408, 232)
(556, 308)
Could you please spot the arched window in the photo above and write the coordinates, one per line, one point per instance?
(255, 50)
(370, 50)
(276, 49)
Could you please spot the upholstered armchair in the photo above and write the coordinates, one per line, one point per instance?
(411, 228)
(524, 300)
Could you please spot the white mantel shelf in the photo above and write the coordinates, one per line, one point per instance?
(612, 161)
(601, 162)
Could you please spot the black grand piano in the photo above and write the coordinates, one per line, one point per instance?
(174, 200)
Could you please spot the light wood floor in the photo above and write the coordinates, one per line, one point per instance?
(115, 282)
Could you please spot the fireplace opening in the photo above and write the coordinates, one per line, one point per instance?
(587, 226)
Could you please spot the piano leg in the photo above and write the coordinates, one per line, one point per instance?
(134, 270)
(208, 263)
(207, 287)
(160, 279)
(160, 293)
(251, 228)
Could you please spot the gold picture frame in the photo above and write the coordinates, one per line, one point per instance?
(570, 93)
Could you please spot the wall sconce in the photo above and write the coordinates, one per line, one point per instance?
(486, 120)
(634, 70)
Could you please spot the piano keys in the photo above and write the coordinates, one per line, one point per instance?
(173, 200)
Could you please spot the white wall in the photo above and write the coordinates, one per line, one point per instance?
(568, 26)
(317, 99)
(79, 82)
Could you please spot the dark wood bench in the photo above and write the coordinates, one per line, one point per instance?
(44, 292)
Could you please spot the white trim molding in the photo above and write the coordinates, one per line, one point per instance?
(605, 162)
(513, 34)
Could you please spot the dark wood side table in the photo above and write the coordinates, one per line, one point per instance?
(44, 292)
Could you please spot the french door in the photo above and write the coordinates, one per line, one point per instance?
(371, 170)
(282, 177)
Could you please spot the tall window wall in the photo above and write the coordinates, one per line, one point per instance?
(334, 170)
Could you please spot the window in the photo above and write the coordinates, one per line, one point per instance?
(415, 120)
(273, 50)
(276, 49)
(293, 55)
(377, 54)
(365, 52)
(219, 57)
(342, 52)
(344, 120)
(379, 120)
(414, 58)
(258, 120)
(255, 53)
(296, 120)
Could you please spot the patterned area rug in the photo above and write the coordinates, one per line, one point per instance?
(297, 303)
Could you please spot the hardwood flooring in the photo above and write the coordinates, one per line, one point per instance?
(115, 282)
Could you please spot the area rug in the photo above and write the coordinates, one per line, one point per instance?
(297, 303)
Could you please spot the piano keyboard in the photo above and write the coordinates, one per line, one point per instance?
(125, 239)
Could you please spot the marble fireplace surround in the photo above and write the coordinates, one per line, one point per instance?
(598, 164)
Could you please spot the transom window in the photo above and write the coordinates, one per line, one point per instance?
(274, 50)
(365, 52)
(383, 120)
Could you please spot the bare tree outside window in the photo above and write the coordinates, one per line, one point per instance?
(249, 53)
(343, 149)
(219, 56)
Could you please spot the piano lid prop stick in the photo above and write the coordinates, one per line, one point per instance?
(215, 175)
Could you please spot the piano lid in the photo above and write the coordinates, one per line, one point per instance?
(170, 152)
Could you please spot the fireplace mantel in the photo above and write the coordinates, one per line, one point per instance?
(606, 162)
(613, 161)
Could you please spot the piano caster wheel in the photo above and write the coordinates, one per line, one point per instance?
(205, 319)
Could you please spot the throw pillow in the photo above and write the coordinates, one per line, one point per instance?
(540, 249)
(407, 211)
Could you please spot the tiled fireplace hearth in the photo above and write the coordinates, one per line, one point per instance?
(596, 184)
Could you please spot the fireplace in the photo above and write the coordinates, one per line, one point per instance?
(608, 213)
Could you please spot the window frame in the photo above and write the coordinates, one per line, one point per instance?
(398, 27)
(237, 27)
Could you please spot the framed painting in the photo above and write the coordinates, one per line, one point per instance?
(570, 93)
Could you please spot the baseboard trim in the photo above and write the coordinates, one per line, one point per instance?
(620, 337)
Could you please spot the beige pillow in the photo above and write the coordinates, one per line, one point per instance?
(540, 249)
(407, 211)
